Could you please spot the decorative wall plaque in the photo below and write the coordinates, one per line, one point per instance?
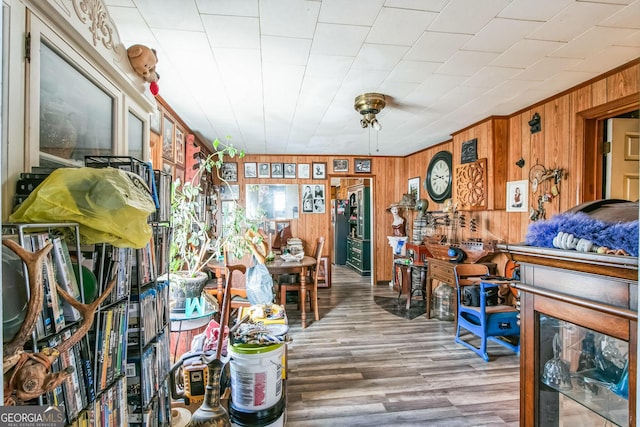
(471, 185)
(469, 151)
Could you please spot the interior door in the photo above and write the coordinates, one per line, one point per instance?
(622, 161)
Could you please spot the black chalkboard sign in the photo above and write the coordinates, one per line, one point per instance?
(469, 151)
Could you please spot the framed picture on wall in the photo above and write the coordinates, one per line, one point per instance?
(362, 165)
(319, 199)
(290, 170)
(303, 170)
(230, 192)
(319, 171)
(276, 170)
(518, 196)
(170, 169)
(341, 165)
(179, 147)
(229, 171)
(179, 173)
(167, 138)
(414, 187)
(250, 170)
(264, 170)
(155, 120)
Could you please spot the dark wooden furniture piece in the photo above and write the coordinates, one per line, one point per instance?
(312, 283)
(568, 300)
(417, 252)
(441, 271)
(403, 273)
(324, 273)
(358, 241)
(279, 266)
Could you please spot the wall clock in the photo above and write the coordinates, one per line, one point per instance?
(439, 177)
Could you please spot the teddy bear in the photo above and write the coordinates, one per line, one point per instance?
(143, 60)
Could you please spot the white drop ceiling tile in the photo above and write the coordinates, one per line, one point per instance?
(289, 18)
(335, 67)
(399, 26)
(466, 62)
(176, 41)
(120, 3)
(506, 90)
(607, 59)
(436, 47)
(338, 39)
(228, 7)
(379, 57)
(458, 97)
(539, 10)
(491, 76)
(281, 83)
(317, 91)
(526, 52)
(412, 71)
(574, 20)
(430, 5)
(566, 79)
(545, 68)
(629, 17)
(633, 40)
(232, 31)
(499, 34)
(290, 51)
(353, 12)
(397, 89)
(595, 39)
(467, 16)
(434, 87)
(131, 26)
(174, 14)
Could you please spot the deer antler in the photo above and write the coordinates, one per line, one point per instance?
(31, 372)
(11, 351)
(87, 311)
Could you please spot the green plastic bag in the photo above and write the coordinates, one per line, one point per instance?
(111, 205)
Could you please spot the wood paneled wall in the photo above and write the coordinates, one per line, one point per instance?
(561, 142)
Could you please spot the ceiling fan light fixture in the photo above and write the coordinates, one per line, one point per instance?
(370, 104)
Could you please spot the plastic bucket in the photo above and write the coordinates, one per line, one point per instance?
(271, 417)
(256, 376)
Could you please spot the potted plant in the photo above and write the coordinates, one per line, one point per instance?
(193, 243)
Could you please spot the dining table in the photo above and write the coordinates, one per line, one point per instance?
(276, 267)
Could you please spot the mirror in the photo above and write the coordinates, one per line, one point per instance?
(272, 201)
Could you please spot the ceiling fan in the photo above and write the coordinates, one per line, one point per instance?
(370, 104)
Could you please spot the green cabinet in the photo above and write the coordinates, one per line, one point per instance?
(358, 242)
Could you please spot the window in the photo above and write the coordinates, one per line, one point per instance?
(76, 107)
(135, 130)
(76, 115)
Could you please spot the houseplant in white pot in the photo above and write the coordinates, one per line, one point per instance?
(193, 243)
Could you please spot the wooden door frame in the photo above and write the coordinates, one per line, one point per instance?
(589, 136)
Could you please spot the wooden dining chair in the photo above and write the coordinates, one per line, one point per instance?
(237, 271)
(311, 283)
(498, 323)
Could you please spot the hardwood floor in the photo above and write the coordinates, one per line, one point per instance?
(359, 365)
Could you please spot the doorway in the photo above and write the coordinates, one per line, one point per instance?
(621, 155)
(352, 230)
(592, 130)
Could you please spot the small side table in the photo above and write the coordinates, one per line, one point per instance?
(406, 286)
